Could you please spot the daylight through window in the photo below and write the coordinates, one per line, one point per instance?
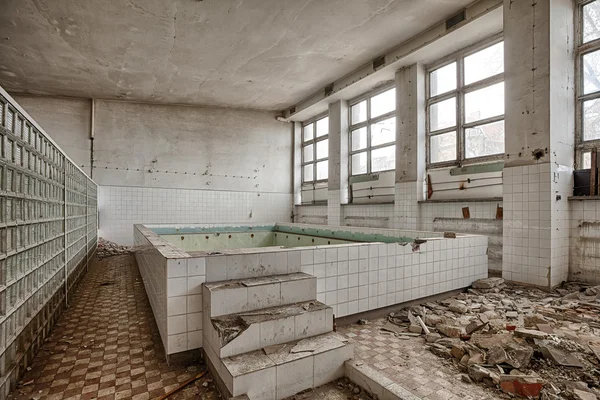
(465, 107)
(315, 150)
(373, 133)
(588, 88)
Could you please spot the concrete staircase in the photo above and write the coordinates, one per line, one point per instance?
(269, 338)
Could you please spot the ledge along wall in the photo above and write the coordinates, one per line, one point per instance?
(48, 236)
(351, 278)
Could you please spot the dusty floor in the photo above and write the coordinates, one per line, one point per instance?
(408, 363)
(107, 346)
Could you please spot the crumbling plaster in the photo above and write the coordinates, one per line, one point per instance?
(249, 54)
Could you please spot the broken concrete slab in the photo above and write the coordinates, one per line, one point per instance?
(530, 334)
(487, 283)
(451, 331)
(560, 357)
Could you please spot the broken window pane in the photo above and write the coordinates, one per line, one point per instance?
(359, 163)
(591, 21)
(359, 139)
(485, 63)
(383, 159)
(442, 147)
(383, 132)
(323, 127)
(359, 112)
(591, 72)
(322, 170)
(484, 103)
(442, 80)
(308, 173)
(442, 115)
(591, 119)
(383, 103)
(484, 140)
(308, 132)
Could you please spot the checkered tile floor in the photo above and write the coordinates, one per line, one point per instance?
(408, 363)
(106, 345)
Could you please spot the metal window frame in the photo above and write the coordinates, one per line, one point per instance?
(459, 94)
(582, 146)
(313, 142)
(367, 123)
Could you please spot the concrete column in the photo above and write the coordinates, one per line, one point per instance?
(539, 137)
(337, 190)
(410, 145)
(296, 128)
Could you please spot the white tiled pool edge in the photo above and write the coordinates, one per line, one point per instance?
(351, 278)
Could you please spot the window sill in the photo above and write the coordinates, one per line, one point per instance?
(324, 203)
(580, 198)
(370, 204)
(475, 200)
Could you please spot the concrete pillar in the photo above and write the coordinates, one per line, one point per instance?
(296, 128)
(410, 145)
(337, 189)
(539, 137)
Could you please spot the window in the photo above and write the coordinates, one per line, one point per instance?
(588, 87)
(465, 107)
(315, 150)
(373, 133)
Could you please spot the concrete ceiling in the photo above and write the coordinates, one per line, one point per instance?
(259, 54)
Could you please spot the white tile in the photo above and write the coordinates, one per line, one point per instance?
(329, 366)
(194, 284)
(196, 266)
(264, 296)
(176, 268)
(176, 287)
(177, 324)
(311, 324)
(176, 305)
(177, 343)
(194, 303)
(194, 321)
(295, 376)
(298, 291)
(277, 331)
(194, 340)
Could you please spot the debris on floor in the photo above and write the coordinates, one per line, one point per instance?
(520, 340)
(342, 389)
(106, 248)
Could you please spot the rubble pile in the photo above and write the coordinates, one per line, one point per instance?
(521, 340)
(106, 248)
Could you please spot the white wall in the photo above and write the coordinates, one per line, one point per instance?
(67, 120)
(175, 164)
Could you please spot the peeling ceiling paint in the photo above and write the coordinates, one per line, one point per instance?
(258, 54)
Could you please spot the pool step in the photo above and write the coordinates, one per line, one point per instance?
(298, 366)
(234, 334)
(241, 295)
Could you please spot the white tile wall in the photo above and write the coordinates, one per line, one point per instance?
(121, 207)
(377, 275)
(584, 263)
(312, 214)
(536, 224)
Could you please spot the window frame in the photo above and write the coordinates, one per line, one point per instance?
(367, 123)
(581, 49)
(459, 93)
(313, 142)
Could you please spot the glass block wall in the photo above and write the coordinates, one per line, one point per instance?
(48, 235)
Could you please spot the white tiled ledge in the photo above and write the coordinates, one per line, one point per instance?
(474, 200)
